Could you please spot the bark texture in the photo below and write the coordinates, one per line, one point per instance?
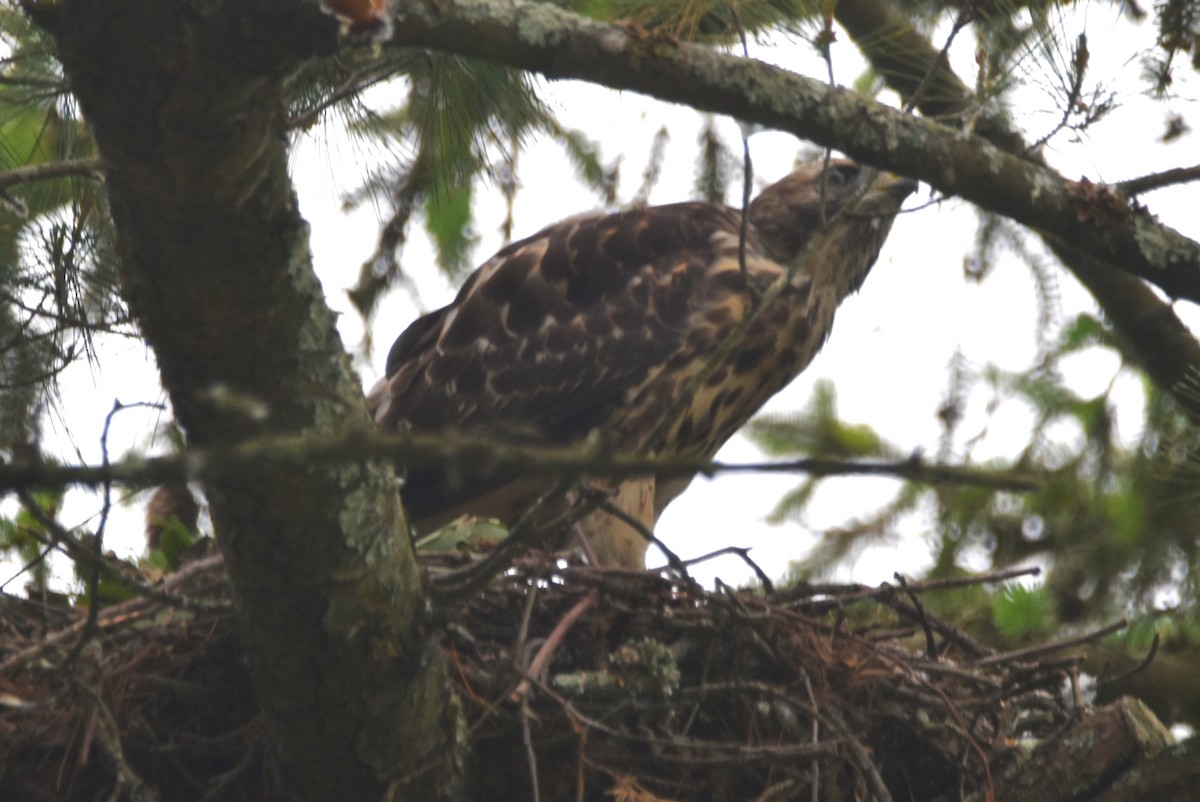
(559, 44)
(1154, 335)
(185, 101)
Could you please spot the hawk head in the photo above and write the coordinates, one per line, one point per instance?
(618, 326)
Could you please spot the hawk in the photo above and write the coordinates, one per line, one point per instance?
(596, 327)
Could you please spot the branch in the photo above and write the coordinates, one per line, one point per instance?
(559, 44)
(1164, 347)
(87, 168)
(469, 455)
(1032, 653)
(1167, 178)
(77, 551)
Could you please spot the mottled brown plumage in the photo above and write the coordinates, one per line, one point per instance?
(170, 501)
(595, 326)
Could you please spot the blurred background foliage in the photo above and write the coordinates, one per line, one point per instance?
(1114, 521)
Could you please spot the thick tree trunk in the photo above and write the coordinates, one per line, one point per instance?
(185, 100)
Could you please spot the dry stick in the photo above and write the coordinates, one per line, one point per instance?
(972, 741)
(41, 556)
(1148, 183)
(747, 181)
(518, 654)
(69, 545)
(128, 611)
(857, 592)
(530, 754)
(110, 740)
(744, 553)
(1049, 648)
(699, 752)
(760, 688)
(780, 790)
(922, 619)
(1139, 668)
(816, 736)
(523, 629)
(225, 780)
(580, 763)
(93, 583)
(859, 752)
(523, 534)
(553, 640)
(672, 558)
(910, 670)
(948, 631)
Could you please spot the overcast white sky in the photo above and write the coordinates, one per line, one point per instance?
(890, 346)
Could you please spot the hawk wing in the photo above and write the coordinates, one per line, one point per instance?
(605, 322)
(556, 333)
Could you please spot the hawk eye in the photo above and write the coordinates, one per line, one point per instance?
(841, 175)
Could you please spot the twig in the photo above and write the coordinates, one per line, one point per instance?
(467, 452)
(93, 584)
(855, 592)
(1149, 183)
(965, 15)
(542, 659)
(948, 631)
(530, 752)
(816, 737)
(922, 619)
(1139, 668)
(859, 753)
(1079, 61)
(1034, 652)
(740, 551)
(64, 541)
(747, 180)
(694, 751)
(219, 784)
(527, 531)
(131, 611)
(87, 168)
(354, 84)
(129, 784)
(673, 560)
(523, 630)
(41, 556)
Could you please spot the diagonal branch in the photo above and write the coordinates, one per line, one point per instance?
(87, 168)
(1164, 347)
(559, 44)
(1167, 178)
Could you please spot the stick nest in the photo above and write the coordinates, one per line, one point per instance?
(576, 683)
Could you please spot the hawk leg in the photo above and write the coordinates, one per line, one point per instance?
(615, 542)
